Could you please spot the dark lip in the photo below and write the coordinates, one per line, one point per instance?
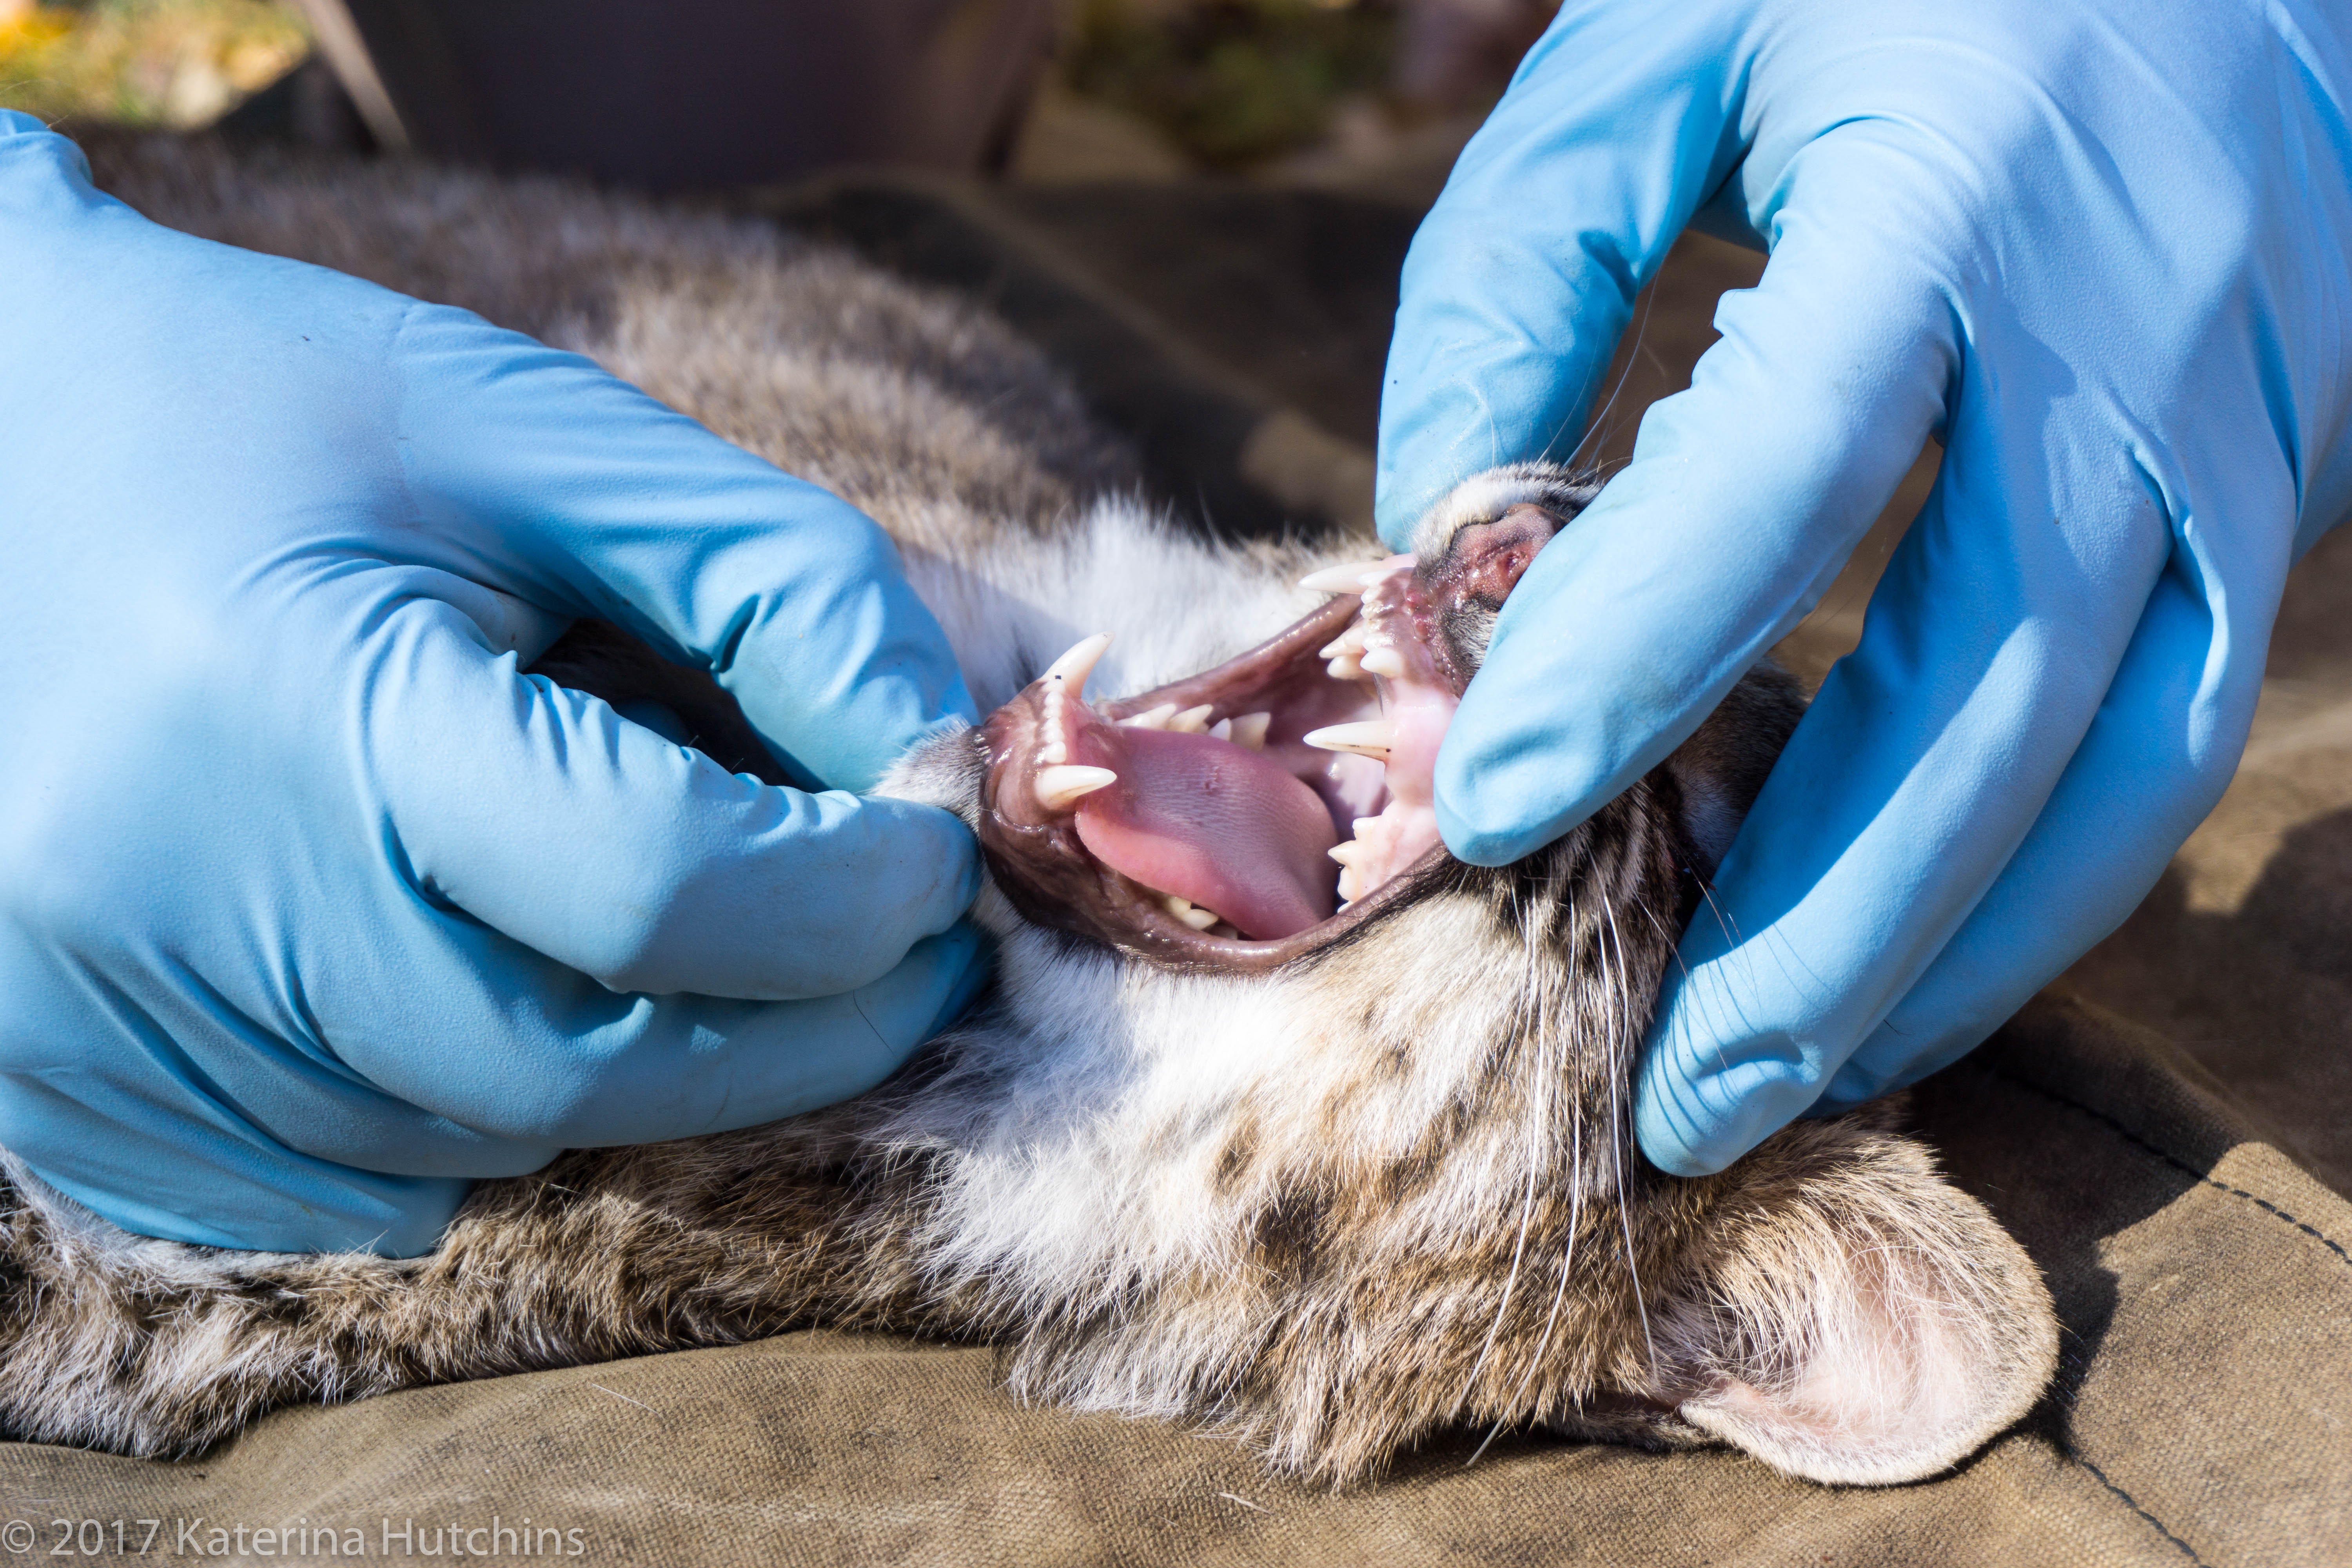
(1054, 882)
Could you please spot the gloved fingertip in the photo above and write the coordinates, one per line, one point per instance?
(1471, 837)
(1670, 1139)
(1704, 1098)
(966, 946)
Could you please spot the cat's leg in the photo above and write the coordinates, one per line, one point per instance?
(156, 1349)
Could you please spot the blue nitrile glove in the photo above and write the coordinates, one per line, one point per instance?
(312, 908)
(2099, 250)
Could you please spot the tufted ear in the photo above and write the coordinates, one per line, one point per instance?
(1858, 1319)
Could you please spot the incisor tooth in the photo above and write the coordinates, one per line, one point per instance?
(1182, 908)
(1346, 579)
(1192, 721)
(1384, 661)
(1150, 718)
(1223, 730)
(1371, 738)
(1063, 785)
(1249, 729)
(1073, 667)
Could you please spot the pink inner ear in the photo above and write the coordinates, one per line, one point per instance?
(1869, 1348)
(1874, 1392)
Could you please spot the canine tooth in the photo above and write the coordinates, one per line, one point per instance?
(1073, 667)
(1371, 738)
(1346, 579)
(1192, 721)
(1150, 718)
(1383, 661)
(1223, 730)
(1060, 787)
(1347, 853)
(1249, 729)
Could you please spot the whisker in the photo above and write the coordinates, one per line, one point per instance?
(1527, 1204)
(1617, 1129)
(1596, 426)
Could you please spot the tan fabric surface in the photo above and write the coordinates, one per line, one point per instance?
(2203, 1413)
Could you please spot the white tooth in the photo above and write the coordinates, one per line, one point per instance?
(1384, 661)
(1346, 645)
(1223, 730)
(1073, 667)
(1344, 670)
(1192, 721)
(1053, 755)
(1060, 787)
(1372, 738)
(1349, 579)
(1249, 729)
(1151, 718)
(1350, 853)
(1351, 886)
(1361, 822)
(1182, 908)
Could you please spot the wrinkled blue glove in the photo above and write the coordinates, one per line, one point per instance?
(312, 908)
(2098, 248)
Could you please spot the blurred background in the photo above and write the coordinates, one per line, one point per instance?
(1053, 89)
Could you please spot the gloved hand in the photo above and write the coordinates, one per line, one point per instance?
(311, 907)
(2096, 247)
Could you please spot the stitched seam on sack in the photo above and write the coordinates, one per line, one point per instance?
(2131, 1502)
(2137, 1142)
(2128, 1136)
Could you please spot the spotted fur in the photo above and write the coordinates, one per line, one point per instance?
(1328, 1210)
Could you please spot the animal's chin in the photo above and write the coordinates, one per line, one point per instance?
(1248, 814)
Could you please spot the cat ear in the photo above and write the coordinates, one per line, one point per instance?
(1860, 1320)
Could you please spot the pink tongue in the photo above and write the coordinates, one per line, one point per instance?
(1213, 822)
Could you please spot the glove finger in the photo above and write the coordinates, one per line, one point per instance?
(1745, 496)
(541, 812)
(1918, 771)
(541, 475)
(2156, 760)
(1619, 123)
(554, 1061)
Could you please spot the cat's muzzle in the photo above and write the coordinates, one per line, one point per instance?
(1254, 813)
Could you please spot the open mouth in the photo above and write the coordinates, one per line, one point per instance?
(1250, 814)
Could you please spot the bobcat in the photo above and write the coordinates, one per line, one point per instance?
(1278, 1119)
